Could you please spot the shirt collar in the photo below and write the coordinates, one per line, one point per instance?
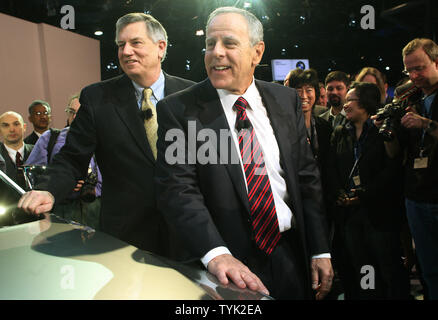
(157, 88)
(12, 152)
(228, 98)
(342, 112)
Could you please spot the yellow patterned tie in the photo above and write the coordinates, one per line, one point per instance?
(150, 125)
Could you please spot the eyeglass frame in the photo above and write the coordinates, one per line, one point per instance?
(70, 110)
(39, 113)
(417, 69)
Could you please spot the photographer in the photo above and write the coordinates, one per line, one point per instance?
(417, 141)
(365, 187)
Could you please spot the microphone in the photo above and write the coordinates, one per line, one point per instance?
(146, 114)
(243, 124)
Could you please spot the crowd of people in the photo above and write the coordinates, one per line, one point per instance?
(334, 181)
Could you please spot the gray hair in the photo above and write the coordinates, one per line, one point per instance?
(37, 103)
(72, 97)
(155, 29)
(255, 27)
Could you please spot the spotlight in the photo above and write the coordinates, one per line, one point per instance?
(98, 33)
(387, 68)
(2, 210)
(111, 66)
(199, 32)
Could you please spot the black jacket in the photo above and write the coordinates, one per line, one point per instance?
(380, 176)
(109, 125)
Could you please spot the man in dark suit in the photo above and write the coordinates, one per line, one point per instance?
(13, 149)
(40, 115)
(261, 238)
(110, 124)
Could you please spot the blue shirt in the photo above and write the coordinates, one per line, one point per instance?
(157, 91)
(38, 156)
(427, 101)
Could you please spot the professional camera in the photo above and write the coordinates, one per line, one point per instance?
(391, 115)
(88, 191)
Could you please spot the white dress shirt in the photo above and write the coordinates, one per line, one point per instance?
(258, 116)
(13, 153)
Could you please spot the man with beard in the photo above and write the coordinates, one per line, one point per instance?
(336, 84)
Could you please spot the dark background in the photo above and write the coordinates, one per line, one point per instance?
(326, 32)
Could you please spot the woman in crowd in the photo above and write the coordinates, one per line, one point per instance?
(365, 188)
(370, 74)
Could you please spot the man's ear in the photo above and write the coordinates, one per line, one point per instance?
(259, 49)
(161, 48)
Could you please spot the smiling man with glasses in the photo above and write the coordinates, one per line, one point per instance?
(40, 115)
(418, 141)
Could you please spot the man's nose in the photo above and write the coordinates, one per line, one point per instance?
(127, 50)
(218, 50)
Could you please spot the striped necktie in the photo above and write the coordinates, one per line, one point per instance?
(261, 201)
(150, 123)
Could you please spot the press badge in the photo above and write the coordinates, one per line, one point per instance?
(421, 163)
(356, 180)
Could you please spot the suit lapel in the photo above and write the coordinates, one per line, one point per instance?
(279, 122)
(127, 109)
(212, 116)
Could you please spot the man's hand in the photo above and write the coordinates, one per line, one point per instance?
(36, 202)
(413, 120)
(79, 185)
(377, 123)
(322, 276)
(225, 267)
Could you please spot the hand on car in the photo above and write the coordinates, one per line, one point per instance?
(226, 267)
(36, 202)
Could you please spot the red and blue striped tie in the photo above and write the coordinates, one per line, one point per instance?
(261, 201)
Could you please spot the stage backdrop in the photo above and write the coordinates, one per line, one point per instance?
(39, 61)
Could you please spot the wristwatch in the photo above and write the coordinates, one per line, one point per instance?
(431, 127)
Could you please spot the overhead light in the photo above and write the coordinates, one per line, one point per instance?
(387, 68)
(199, 32)
(98, 33)
(247, 5)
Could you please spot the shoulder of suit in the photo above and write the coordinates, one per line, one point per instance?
(28, 147)
(169, 77)
(108, 83)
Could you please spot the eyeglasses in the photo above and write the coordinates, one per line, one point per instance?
(417, 69)
(71, 111)
(39, 113)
